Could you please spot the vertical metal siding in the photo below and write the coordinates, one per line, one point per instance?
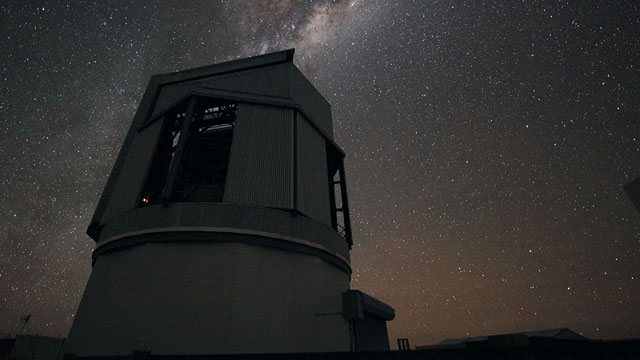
(304, 94)
(260, 164)
(313, 187)
(133, 172)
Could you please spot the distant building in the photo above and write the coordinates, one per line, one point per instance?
(528, 338)
(31, 347)
(5, 347)
(368, 317)
(224, 227)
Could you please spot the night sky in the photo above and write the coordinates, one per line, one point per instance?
(487, 145)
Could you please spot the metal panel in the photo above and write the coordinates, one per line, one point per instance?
(230, 216)
(371, 334)
(313, 184)
(311, 101)
(260, 165)
(133, 172)
(169, 96)
(230, 66)
(272, 80)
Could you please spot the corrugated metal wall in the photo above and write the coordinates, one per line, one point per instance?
(313, 183)
(133, 174)
(304, 94)
(260, 166)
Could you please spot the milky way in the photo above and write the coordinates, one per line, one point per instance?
(487, 146)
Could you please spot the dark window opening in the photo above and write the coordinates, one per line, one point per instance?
(203, 159)
(338, 223)
(203, 170)
(163, 157)
(340, 219)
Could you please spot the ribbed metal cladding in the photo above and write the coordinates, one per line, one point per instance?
(261, 151)
(311, 101)
(313, 186)
(133, 174)
(223, 215)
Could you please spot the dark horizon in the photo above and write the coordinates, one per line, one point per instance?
(487, 148)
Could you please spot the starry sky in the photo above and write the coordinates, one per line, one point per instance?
(487, 145)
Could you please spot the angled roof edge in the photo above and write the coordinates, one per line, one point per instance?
(548, 333)
(228, 67)
(374, 306)
(146, 104)
(304, 77)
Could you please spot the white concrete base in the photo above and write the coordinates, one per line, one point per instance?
(209, 298)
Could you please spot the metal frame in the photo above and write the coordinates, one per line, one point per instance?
(248, 98)
(144, 118)
(345, 205)
(177, 156)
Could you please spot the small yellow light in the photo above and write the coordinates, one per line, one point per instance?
(145, 200)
